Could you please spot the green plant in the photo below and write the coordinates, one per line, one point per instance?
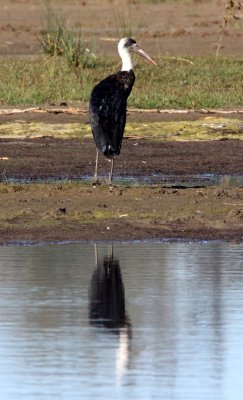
(126, 25)
(123, 21)
(76, 52)
(52, 36)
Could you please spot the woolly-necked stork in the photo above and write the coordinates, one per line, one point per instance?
(108, 104)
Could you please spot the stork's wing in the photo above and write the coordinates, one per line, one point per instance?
(108, 104)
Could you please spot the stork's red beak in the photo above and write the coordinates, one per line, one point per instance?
(142, 53)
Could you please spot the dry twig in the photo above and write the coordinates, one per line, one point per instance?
(231, 9)
(84, 111)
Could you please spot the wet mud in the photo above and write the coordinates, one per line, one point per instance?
(58, 206)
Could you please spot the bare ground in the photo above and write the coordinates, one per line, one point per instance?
(171, 28)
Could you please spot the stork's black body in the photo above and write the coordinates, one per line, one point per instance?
(108, 105)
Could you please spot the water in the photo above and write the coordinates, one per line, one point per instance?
(156, 321)
(165, 180)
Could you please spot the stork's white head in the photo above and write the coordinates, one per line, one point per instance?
(125, 45)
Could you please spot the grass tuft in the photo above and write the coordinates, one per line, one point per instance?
(70, 43)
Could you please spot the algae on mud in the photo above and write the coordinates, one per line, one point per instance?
(205, 128)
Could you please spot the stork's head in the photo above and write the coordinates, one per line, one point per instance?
(125, 47)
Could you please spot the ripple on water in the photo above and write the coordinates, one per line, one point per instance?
(147, 320)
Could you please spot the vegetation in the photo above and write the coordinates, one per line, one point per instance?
(203, 82)
(68, 42)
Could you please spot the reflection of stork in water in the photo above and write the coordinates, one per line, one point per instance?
(107, 296)
(107, 305)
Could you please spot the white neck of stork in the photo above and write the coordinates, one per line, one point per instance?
(126, 57)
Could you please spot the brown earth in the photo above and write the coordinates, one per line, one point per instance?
(47, 212)
(66, 210)
(44, 158)
(183, 27)
(77, 211)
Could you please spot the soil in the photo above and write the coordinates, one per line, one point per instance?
(190, 27)
(44, 158)
(70, 209)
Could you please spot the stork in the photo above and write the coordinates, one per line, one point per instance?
(108, 103)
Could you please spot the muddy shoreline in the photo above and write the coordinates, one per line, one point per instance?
(67, 210)
(45, 157)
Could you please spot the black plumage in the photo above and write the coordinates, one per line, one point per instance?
(108, 103)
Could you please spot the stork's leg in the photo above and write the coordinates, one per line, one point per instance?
(96, 254)
(111, 172)
(110, 251)
(95, 180)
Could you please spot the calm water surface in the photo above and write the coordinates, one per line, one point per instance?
(164, 180)
(150, 321)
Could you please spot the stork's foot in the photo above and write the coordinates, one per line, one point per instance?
(95, 182)
(110, 184)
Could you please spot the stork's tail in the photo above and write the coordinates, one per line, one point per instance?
(110, 151)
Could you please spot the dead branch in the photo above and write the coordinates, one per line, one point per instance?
(231, 8)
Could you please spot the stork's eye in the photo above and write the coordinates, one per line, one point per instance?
(129, 42)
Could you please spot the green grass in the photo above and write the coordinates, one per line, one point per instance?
(207, 82)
